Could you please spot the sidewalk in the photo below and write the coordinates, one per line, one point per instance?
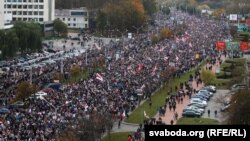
(169, 115)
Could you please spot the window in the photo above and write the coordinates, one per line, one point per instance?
(14, 19)
(14, 12)
(74, 25)
(68, 24)
(25, 6)
(24, 12)
(30, 13)
(40, 6)
(19, 6)
(19, 19)
(86, 26)
(63, 19)
(78, 13)
(41, 13)
(25, 19)
(14, 6)
(68, 19)
(36, 1)
(86, 19)
(74, 19)
(8, 6)
(40, 19)
(30, 6)
(41, 1)
(35, 6)
(24, 0)
(35, 13)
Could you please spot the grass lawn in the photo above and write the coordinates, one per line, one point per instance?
(158, 99)
(197, 121)
(121, 136)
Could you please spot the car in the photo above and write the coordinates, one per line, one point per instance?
(18, 104)
(196, 100)
(194, 108)
(206, 91)
(205, 95)
(4, 110)
(198, 105)
(209, 89)
(191, 114)
(201, 97)
(41, 93)
(237, 87)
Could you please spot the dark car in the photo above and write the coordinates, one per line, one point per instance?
(191, 113)
(4, 111)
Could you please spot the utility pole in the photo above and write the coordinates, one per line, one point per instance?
(31, 75)
(62, 66)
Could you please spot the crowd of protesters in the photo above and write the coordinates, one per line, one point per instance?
(134, 71)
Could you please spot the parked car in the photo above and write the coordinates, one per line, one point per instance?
(198, 105)
(4, 111)
(18, 104)
(194, 108)
(209, 88)
(201, 97)
(237, 87)
(197, 100)
(206, 92)
(191, 114)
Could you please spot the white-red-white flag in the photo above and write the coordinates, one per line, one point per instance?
(99, 77)
(154, 69)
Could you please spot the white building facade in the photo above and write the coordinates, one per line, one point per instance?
(73, 18)
(1, 16)
(30, 10)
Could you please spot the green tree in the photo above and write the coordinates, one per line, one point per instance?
(101, 20)
(149, 6)
(75, 71)
(60, 28)
(207, 76)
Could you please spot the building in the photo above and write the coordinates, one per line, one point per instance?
(29, 10)
(1, 16)
(73, 18)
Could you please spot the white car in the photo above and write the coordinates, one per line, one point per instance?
(41, 93)
(197, 100)
(194, 108)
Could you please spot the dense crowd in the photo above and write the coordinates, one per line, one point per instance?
(135, 70)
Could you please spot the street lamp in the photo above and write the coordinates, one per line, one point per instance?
(137, 29)
(122, 37)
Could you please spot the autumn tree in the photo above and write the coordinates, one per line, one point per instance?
(218, 13)
(207, 76)
(239, 112)
(165, 33)
(154, 39)
(24, 90)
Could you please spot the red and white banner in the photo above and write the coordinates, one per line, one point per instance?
(220, 45)
(248, 22)
(244, 46)
(99, 77)
(190, 44)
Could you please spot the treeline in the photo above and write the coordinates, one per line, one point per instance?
(22, 38)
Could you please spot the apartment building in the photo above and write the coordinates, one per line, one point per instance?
(1, 16)
(30, 10)
(73, 18)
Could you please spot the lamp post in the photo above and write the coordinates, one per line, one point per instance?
(137, 29)
(122, 33)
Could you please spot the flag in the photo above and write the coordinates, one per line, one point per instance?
(177, 58)
(165, 58)
(123, 114)
(139, 68)
(145, 114)
(154, 69)
(190, 44)
(99, 77)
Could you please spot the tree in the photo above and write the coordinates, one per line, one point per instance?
(207, 76)
(75, 71)
(154, 39)
(239, 112)
(218, 13)
(166, 33)
(24, 90)
(149, 6)
(60, 28)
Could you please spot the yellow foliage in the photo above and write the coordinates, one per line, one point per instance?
(218, 12)
(166, 33)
